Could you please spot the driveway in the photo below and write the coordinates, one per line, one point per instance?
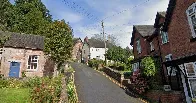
(93, 87)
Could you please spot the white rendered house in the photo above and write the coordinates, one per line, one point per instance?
(97, 53)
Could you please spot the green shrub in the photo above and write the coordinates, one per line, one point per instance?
(46, 91)
(95, 63)
(71, 92)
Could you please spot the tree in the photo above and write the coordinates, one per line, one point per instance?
(58, 42)
(30, 16)
(111, 39)
(149, 66)
(5, 11)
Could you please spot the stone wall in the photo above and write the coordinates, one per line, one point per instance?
(112, 73)
(21, 55)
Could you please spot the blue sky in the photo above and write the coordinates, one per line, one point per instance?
(119, 15)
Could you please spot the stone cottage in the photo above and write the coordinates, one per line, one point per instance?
(23, 54)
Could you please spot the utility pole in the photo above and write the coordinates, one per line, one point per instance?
(102, 24)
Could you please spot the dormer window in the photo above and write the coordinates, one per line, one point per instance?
(191, 14)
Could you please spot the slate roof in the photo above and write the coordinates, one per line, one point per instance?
(145, 30)
(98, 43)
(17, 40)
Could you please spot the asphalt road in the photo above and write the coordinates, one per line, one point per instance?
(93, 87)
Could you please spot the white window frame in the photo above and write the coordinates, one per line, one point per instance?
(138, 45)
(173, 71)
(189, 15)
(169, 56)
(29, 65)
(135, 66)
(151, 46)
(194, 66)
(192, 94)
(164, 37)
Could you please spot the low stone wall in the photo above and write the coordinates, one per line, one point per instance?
(112, 73)
(165, 97)
(64, 96)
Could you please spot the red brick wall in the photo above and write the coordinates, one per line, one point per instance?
(165, 97)
(179, 31)
(144, 46)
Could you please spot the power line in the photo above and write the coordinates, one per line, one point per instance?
(73, 5)
(125, 10)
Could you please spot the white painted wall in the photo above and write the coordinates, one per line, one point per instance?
(97, 53)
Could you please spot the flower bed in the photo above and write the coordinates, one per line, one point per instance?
(41, 90)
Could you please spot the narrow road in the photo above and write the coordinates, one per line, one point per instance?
(93, 87)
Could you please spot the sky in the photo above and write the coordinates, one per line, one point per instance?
(119, 16)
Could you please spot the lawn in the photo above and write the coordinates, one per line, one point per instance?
(13, 95)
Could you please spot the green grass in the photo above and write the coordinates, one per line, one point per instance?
(13, 95)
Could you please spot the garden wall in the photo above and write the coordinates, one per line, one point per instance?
(165, 97)
(112, 73)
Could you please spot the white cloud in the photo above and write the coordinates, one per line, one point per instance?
(142, 15)
(70, 17)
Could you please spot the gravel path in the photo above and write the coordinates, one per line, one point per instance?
(93, 87)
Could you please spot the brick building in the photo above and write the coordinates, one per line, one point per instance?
(77, 49)
(180, 25)
(23, 54)
(140, 44)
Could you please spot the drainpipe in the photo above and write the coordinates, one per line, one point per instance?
(161, 60)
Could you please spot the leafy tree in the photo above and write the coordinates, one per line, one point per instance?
(111, 39)
(30, 16)
(5, 11)
(149, 66)
(118, 54)
(58, 42)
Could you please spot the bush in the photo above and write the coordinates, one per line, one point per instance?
(95, 63)
(46, 91)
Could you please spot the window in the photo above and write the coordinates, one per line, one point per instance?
(190, 69)
(32, 62)
(1, 50)
(173, 72)
(164, 37)
(193, 87)
(135, 66)
(138, 46)
(92, 49)
(151, 46)
(168, 57)
(191, 14)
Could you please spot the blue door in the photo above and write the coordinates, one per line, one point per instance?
(14, 69)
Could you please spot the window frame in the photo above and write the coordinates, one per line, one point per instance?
(194, 66)
(31, 62)
(173, 71)
(191, 90)
(151, 46)
(138, 46)
(189, 15)
(164, 37)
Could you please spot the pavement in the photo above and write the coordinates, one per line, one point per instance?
(93, 87)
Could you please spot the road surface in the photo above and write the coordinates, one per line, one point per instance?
(93, 87)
